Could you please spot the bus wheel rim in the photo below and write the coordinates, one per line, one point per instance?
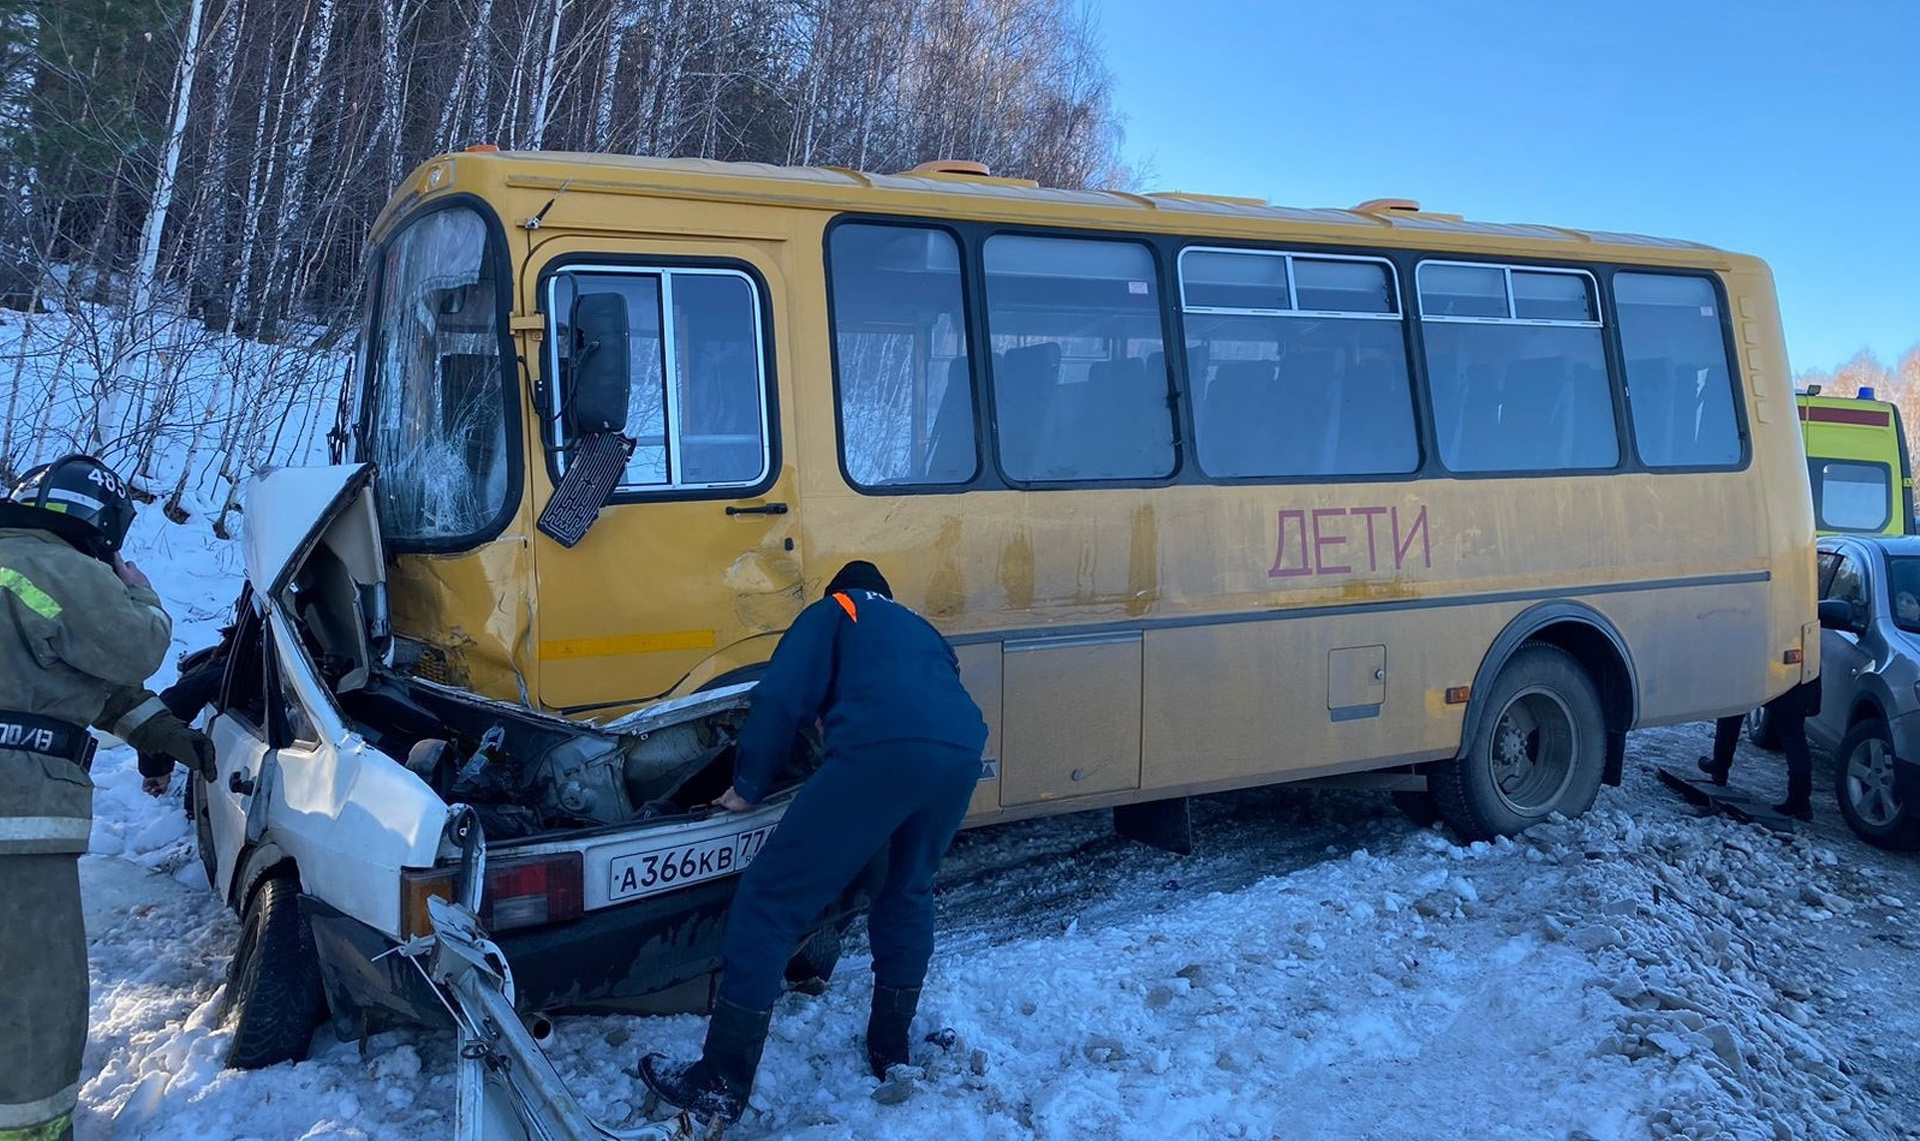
(1532, 754)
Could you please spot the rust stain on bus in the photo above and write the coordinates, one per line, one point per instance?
(1143, 563)
(947, 588)
(1016, 571)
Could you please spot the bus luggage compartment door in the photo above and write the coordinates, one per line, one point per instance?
(1071, 709)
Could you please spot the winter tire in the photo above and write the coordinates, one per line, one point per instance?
(811, 967)
(1762, 731)
(1540, 747)
(274, 997)
(1417, 807)
(1879, 794)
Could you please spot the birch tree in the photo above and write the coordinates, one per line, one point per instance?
(300, 130)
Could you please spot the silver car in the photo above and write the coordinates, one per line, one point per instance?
(1870, 683)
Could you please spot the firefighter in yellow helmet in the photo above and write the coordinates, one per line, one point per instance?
(80, 631)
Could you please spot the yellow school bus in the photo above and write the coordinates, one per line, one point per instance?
(1206, 493)
(1857, 464)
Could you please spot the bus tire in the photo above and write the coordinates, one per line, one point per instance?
(1762, 731)
(1539, 748)
(1879, 794)
(274, 996)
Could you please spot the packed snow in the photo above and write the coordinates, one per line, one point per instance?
(1319, 968)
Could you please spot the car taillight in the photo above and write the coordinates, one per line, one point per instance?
(416, 886)
(522, 893)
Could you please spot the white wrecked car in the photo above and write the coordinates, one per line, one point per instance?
(355, 803)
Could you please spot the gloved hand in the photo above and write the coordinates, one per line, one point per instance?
(164, 739)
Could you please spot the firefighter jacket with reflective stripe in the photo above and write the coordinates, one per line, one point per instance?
(872, 670)
(76, 645)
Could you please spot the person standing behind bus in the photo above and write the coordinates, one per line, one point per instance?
(1787, 714)
(903, 742)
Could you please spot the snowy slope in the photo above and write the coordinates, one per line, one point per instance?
(1318, 969)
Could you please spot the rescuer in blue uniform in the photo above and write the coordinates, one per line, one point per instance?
(903, 743)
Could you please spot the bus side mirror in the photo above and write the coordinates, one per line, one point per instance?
(598, 383)
(1837, 614)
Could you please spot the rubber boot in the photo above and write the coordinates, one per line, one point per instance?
(1799, 809)
(888, 1025)
(1799, 802)
(718, 1083)
(1716, 774)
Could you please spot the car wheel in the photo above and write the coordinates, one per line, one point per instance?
(1418, 807)
(1879, 794)
(1763, 731)
(274, 997)
(811, 967)
(1540, 748)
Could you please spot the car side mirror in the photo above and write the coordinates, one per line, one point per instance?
(1837, 614)
(598, 383)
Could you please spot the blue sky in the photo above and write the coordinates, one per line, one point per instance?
(1784, 128)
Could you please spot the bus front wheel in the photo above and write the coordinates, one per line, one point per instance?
(1539, 748)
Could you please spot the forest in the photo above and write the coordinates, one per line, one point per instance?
(186, 177)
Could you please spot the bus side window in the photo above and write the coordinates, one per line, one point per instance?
(902, 369)
(699, 420)
(1321, 388)
(721, 430)
(1679, 381)
(1524, 346)
(1078, 321)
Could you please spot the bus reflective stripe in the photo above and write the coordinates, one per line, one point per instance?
(139, 715)
(18, 828)
(21, 587)
(20, 1118)
(846, 604)
(624, 644)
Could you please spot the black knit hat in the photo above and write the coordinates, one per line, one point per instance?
(860, 575)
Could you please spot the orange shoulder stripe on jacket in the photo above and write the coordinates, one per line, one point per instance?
(846, 604)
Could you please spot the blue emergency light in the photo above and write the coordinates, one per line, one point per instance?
(1865, 394)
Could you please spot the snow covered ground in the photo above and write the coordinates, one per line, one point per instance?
(1319, 969)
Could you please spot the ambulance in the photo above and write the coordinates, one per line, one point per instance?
(1857, 463)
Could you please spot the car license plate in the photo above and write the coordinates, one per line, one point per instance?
(649, 873)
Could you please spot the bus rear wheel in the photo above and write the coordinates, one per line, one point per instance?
(1539, 749)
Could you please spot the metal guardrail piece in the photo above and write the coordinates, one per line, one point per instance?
(508, 1090)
